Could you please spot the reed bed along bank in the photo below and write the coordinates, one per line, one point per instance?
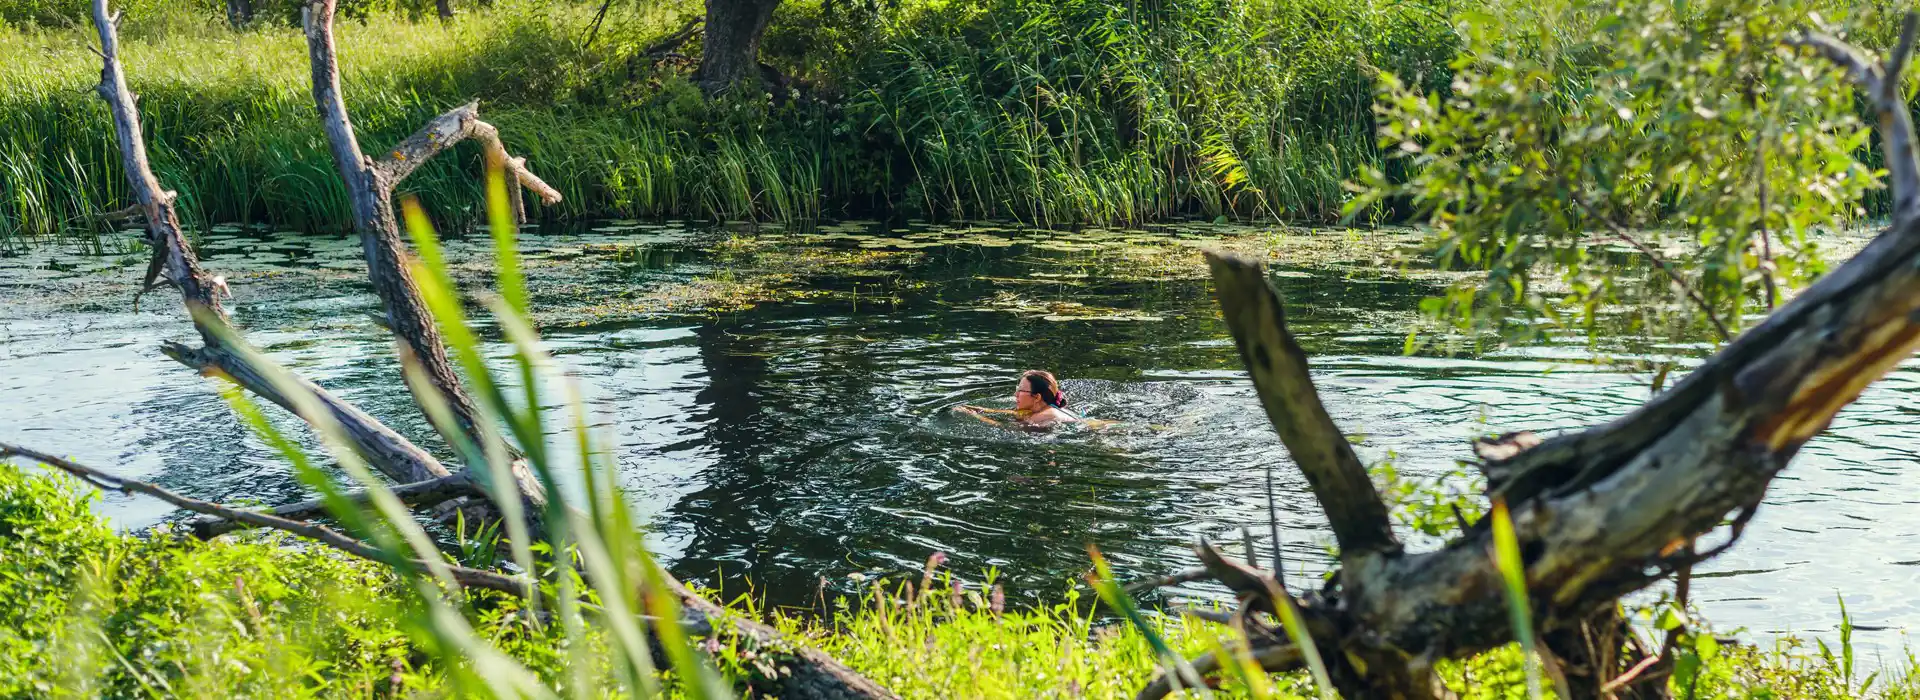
(1043, 112)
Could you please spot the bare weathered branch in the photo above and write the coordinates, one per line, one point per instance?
(419, 495)
(1884, 90)
(370, 194)
(174, 260)
(1253, 586)
(474, 578)
(388, 451)
(1257, 317)
(1173, 579)
(458, 124)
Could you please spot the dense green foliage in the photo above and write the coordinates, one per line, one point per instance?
(127, 616)
(264, 616)
(1669, 165)
(1041, 111)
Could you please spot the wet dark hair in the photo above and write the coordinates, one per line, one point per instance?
(1041, 382)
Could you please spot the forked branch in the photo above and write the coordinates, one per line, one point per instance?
(1257, 317)
(459, 124)
(370, 194)
(1886, 93)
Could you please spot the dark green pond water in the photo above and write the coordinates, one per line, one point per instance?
(807, 434)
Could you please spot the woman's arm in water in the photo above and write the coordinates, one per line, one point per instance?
(979, 413)
(982, 409)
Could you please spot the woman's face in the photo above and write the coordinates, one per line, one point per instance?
(1025, 399)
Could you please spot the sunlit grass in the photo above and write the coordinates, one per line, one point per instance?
(259, 615)
(1204, 107)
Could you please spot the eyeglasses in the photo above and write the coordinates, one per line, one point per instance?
(1017, 392)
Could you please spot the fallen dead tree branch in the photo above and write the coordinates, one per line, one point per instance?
(176, 265)
(370, 184)
(420, 494)
(1602, 512)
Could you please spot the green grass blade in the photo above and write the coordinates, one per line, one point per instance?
(1513, 575)
(1116, 597)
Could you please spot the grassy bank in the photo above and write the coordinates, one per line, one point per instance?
(1047, 112)
(262, 617)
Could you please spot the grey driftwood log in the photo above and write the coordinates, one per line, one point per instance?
(1601, 512)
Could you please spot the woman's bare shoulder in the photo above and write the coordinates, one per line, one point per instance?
(1049, 418)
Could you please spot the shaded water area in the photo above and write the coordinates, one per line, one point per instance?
(780, 401)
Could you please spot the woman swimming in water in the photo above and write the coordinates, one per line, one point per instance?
(1038, 402)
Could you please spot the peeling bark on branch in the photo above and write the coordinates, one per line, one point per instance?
(391, 453)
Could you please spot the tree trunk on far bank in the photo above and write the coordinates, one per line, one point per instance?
(444, 6)
(731, 46)
(239, 12)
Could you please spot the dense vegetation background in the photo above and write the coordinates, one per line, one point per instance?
(1047, 112)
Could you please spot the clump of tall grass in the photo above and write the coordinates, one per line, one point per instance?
(1084, 110)
(1044, 112)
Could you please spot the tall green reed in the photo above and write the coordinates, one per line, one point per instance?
(1077, 111)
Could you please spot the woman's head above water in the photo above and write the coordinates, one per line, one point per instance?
(1038, 402)
(1037, 392)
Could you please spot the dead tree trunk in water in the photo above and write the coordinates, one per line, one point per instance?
(370, 185)
(1599, 513)
(807, 672)
(730, 48)
(174, 263)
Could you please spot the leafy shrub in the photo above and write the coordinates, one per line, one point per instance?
(254, 617)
